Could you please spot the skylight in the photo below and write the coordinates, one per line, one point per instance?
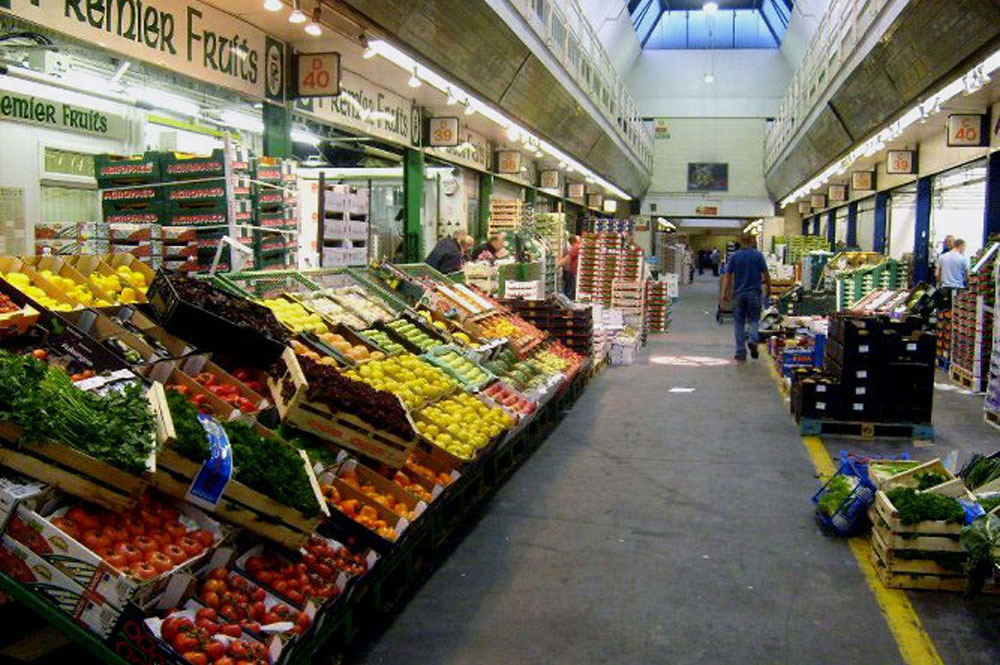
(735, 24)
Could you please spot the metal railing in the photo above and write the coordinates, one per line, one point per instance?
(843, 27)
(564, 28)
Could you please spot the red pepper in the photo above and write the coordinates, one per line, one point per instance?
(198, 399)
(256, 387)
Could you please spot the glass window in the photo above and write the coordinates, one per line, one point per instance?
(866, 224)
(69, 204)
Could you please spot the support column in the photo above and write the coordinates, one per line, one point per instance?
(805, 226)
(485, 194)
(815, 225)
(881, 208)
(991, 219)
(531, 196)
(413, 202)
(831, 227)
(852, 224)
(921, 231)
(277, 130)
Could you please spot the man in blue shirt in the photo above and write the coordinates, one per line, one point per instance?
(953, 270)
(741, 285)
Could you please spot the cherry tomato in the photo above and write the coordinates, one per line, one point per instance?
(173, 626)
(296, 597)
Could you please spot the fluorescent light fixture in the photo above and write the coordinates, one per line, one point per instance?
(513, 133)
(452, 100)
(302, 136)
(709, 78)
(297, 15)
(710, 7)
(274, 5)
(166, 101)
(414, 82)
(243, 121)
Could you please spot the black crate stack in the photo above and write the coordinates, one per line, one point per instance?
(876, 370)
(574, 327)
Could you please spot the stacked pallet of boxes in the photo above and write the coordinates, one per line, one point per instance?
(274, 211)
(132, 204)
(972, 323)
(799, 246)
(506, 214)
(991, 406)
(605, 257)
(571, 325)
(876, 370)
(853, 285)
(658, 307)
(345, 226)
(550, 227)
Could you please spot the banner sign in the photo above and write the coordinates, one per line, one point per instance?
(863, 181)
(368, 108)
(706, 211)
(184, 36)
(46, 113)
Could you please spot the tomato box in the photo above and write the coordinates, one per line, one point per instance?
(15, 490)
(35, 573)
(41, 533)
(211, 375)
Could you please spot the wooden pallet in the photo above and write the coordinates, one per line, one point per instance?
(919, 581)
(814, 427)
(992, 418)
(339, 428)
(910, 561)
(963, 377)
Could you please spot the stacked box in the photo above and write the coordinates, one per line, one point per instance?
(658, 307)
(609, 225)
(132, 202)
(605, 257)
(71, 238)
(799, 246)
(972, 323)
(345, 230)
(573, 326)
(508, 214)
(274, 209)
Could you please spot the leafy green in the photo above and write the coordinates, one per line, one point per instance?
(839, 488)
(980, 539)
(892, 468)
(990, 502)
(925, 481)
(190, 441)
(915, 507)
(979, 470)
(116, 427)
(317, 450)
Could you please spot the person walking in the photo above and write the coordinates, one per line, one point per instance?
(569, 264)
(714, 257)
(447, 255)
(744, 276)
(953, 271)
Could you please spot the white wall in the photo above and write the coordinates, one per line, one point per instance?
(801, 28)
(611, 20)
(671, 83)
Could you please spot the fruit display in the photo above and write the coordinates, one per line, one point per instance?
(202, 636)
(413, 334)
(350, 478)
(365, 515)
(361, 303)
(414, 381)
(462, 424)
(322, 303)
(227, 392)
(237, 600)
(522, 375)
(356, 352)
(506, 396)
(73, 291)
(467, 372)
(549, 362)
(7, 305)
(512, 328)
(295, 316)
(23, 283)
(382, 338)
(414, 488)
(124, 284)
(425, 472)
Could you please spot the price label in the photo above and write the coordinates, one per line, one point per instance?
(900, 162)
(443, 133)
(509, 161)
(966, 129)
(318, 74)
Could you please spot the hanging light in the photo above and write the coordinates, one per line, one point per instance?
(452, 100)
(273, 5)
(414, 82)
(513, 133)
(313, 27)
(469, 110)
(709, 77)
(710, 7)
(297, 15)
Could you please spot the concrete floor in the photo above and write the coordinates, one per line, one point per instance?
(660, 527)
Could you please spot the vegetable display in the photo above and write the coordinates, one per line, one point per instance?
(238, 311)
(925, 481)
(915, 507)
(116, 427)
(209, 639)
(980, 470)
(313, 577)
(238, 601)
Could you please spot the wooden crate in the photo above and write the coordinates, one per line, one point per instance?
(75, 472)
(952, 486)
(933, 536)
(895, 562)
(342, 429)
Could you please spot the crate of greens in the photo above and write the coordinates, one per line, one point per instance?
(842, 502)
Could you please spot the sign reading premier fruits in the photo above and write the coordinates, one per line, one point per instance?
(187, 37)
(38, 111)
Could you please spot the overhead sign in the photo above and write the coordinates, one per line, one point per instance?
(968, 130)
(837, 192)
(473, 150)
(442, 132)
(817, 201)
(706, 211)
(548, 180)
(184, 36)
(863, 181)
(805, 206)
(575, 190)
(367, 108)
(47, 113)
(611, 205)
(901, 162)
(509, 162)
(317, 74)
(661, 129)
(594, 200)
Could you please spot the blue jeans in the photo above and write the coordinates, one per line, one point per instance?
(746, 309)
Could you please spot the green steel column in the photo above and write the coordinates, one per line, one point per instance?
(277, 130)
(532, 196)
(485, 193)
(413, 199)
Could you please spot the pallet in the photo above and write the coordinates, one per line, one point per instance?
(963, 377)
(924, 582)
(339, 428)
(992, 419)
(814, 427)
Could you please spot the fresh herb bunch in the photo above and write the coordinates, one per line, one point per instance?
(925, 481)
(915, 507)
(989, 503)
(837, 491)
(317, 450)
(980, 539)
(190, 441)
(117, 427)
(980, 470)
(271, 467)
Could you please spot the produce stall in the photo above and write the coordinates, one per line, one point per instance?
(256, 465)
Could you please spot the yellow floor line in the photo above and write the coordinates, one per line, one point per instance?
(915, 645)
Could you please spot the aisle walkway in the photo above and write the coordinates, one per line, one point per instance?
(653, 527)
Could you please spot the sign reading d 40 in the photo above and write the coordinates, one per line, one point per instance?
(317, 74)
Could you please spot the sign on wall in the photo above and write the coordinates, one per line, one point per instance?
(442, 132)
(837, 192)
(46, 113)
(863, 181)
(368, 108)
(708, 177)
(594, 200)
(509, 162)
(317, 74)
(805, 207)
(817, 201)
(661, 129)
(549, 180)
(901, 162)
(967, 130)
(575, 190)
(473, 150)
(707, 211)
(184, 36)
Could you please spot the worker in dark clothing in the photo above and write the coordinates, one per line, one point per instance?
(447, 255)
(491, 250)
(745, 274)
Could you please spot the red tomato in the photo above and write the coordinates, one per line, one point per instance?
(116, 533)
(191, 546)
(195, 657)
(202, 536)
(205, 379)
(163, 539)
(252, 626)
(149, 518)
(225, 660)
(83, 518)
(296, 597)
(160, 561)
(218, 574)
(207, 613)
(175, 529)
(130, 552)
(40, 354)
(182, 389)
(258, 595)
(207, 626)
(269, 618)
(95, 540)
(118, 562)
(176, 554)
(172, 627)
(185, 641)
(144, 543)
(215, 650)
(258, 610)
(228, 610)
(213, 585)
(232, 630)
(199, 399)
(210, 598)
(144, 570)
(134, 526)
(303, 621)
(238, 649)
(241, 375)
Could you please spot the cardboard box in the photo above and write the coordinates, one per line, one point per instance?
(16, 489)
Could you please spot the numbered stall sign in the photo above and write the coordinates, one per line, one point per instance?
(576, 190)
(549, 179)
(837, 192)
(318, 74)
(967, 130)
(442, 133)
(901, 162)
(863, 181)
(509, 161)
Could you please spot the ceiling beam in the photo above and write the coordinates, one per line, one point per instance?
(770, 28)
(652, 28)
